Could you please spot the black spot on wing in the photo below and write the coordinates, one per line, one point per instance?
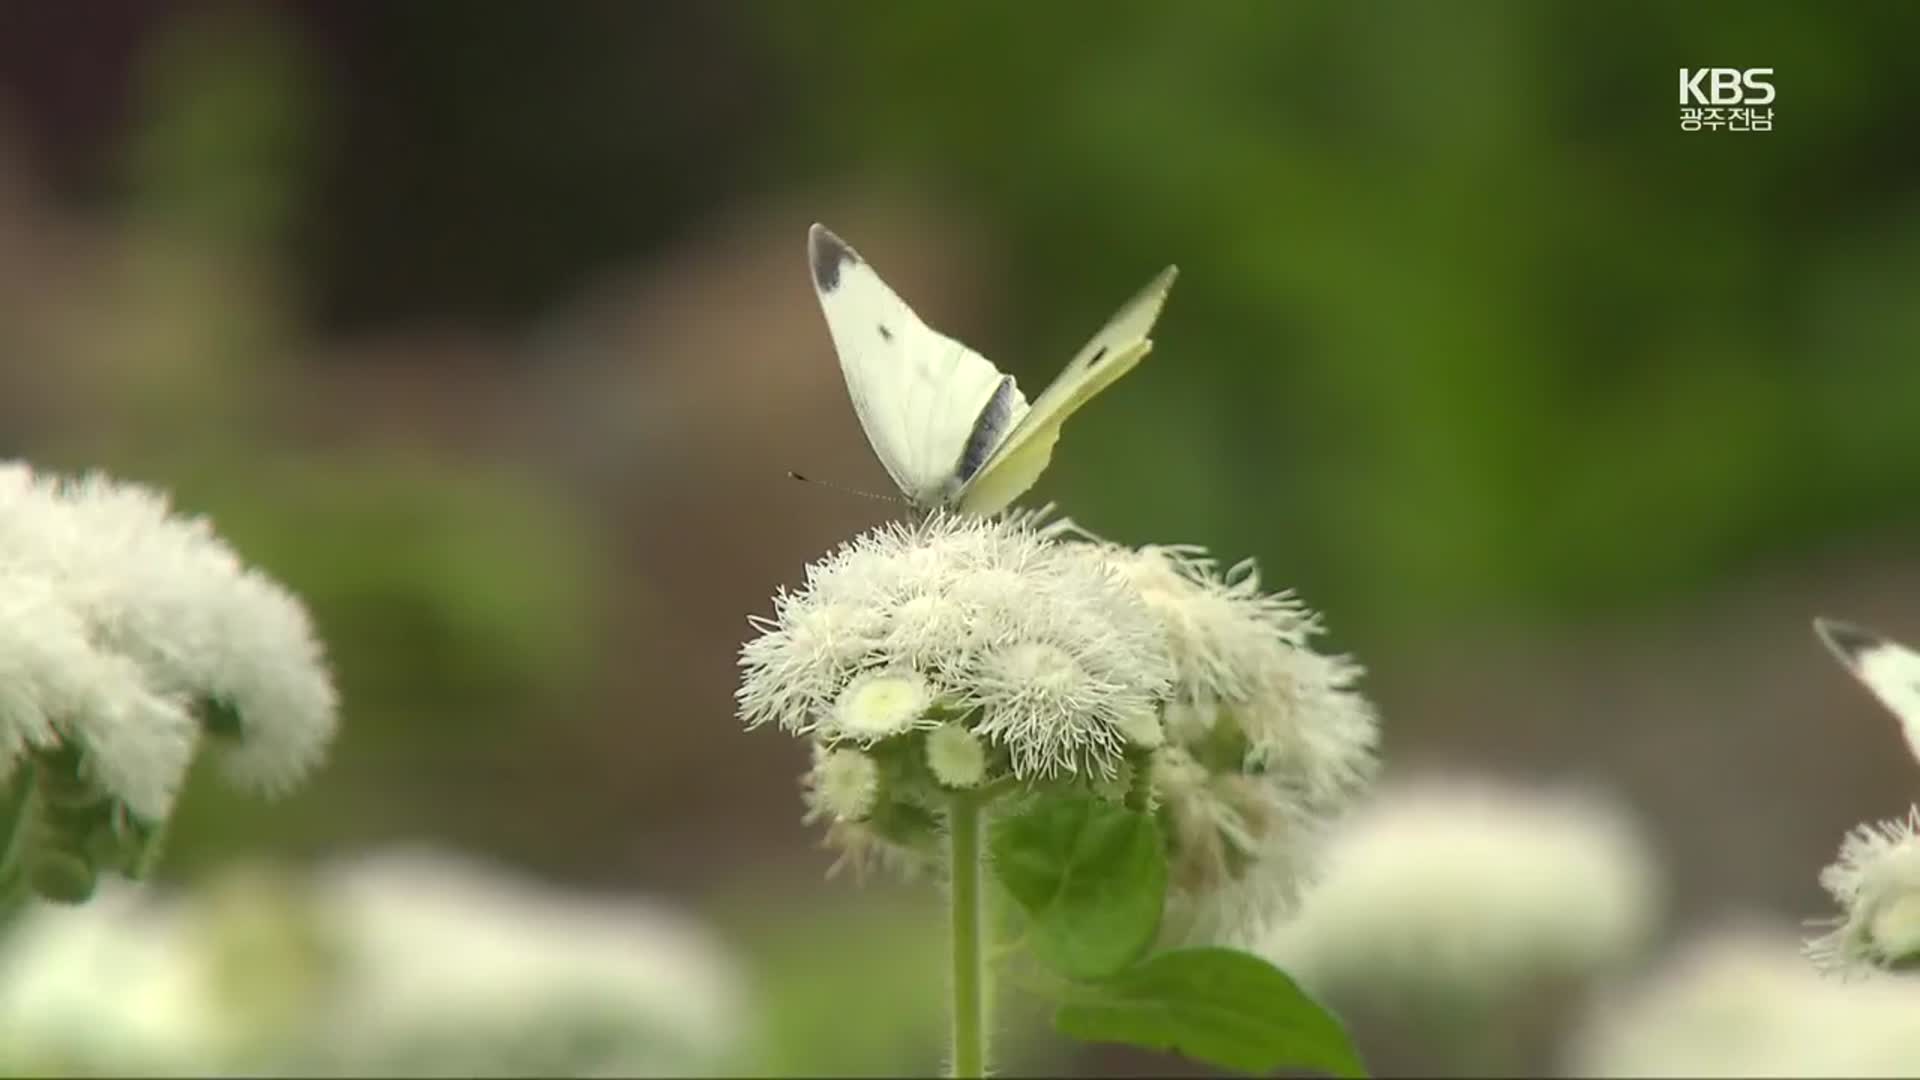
(1099, 354)
(1848, 642)
(828, 253)
(885, 334)
(988, 430)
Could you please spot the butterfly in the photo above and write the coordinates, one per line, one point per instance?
(1888, 668)
(952, 430)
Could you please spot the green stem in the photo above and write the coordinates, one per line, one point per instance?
(969, 974)
(16, 821)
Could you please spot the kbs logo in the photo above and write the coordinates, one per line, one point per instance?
(1725, 86)
(1729, 96)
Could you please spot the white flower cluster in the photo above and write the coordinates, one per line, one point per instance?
(1742, 1002)
(961, 652)
(398, 963)
(454, 966)
(1264, 740)
(1876, 881)
(1442, 891)
(913, 624)
(128, 636)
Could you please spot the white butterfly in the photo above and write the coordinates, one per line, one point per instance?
(951, 429)
(1888, 668)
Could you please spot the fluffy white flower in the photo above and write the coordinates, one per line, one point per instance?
(1263, 742)
(1450, 888)
(1143, 729)
(1876, 882)
(1241, 848)
(1219, 630)
(1054, 714)
(1245, 657)
(955, 756)
(844, 785)
(55, 687)
(1743, 1003)
(159, 612)
(1049, 653)
(878, 704)
(1057, 656)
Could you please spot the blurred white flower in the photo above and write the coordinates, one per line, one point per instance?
(1876, 882)
(454, 968)
(1056, 656)
(402, 963)
(1441, 889)
(131, 631)
(115, 987)
(1742, 1002)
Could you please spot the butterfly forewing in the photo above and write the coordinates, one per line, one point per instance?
(931, 407)
(1887, 668)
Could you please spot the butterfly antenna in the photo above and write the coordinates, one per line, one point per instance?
(844, 490)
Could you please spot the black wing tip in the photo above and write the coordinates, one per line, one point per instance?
(828, 253)
(1848, 641)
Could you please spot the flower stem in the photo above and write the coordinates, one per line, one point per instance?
(16, 821)
(969, 974)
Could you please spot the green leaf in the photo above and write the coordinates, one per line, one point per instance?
(1091, 877)
(1219, 1006)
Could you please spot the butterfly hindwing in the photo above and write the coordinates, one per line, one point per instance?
(1024, 453)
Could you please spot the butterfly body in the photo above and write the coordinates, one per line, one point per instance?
(950, 428)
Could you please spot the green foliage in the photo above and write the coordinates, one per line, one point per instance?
(1091, 878)
(1219, 1006)
(59, 832)
(437, 587)
(841, 978)
(457, 606)
(230, 120)
(1443, 347)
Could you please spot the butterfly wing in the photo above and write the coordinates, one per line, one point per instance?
(1888, 668)
(1023, 454)
(932, 408)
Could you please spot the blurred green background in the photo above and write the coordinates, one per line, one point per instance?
(486, 326)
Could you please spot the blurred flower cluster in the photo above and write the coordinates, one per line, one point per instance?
(1479, 927)
(1022, 656)
(398, 963)
(1472, 917)
(131, 639)
(1742, 1002)
(1443, 890)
